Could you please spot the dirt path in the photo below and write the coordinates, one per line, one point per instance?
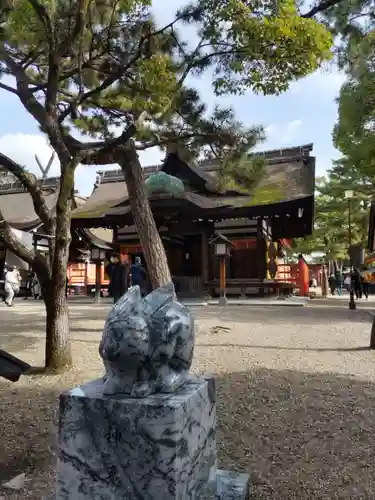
(295, 388)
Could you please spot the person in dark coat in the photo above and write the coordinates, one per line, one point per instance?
(365, 286)
(139, 275)
(332, 284)
(356, 283)
(118, 277)
(339, 282)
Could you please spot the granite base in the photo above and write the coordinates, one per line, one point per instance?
(113, 448)
(231, 485)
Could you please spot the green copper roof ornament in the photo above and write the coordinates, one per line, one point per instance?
(160, 182)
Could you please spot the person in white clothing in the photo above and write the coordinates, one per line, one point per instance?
(12, 284)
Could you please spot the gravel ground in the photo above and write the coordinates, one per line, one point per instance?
(295, 387)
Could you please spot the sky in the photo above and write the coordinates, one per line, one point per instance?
(305, 114)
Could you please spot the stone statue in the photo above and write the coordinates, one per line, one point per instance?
(147, 344)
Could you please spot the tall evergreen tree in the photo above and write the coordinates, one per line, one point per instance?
(354, 133)
(331, 225)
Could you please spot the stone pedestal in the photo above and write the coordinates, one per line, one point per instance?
(162, 446)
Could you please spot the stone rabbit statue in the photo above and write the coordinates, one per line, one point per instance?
(147, 344)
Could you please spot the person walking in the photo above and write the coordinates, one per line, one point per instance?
(12, 284)
(339, 281)
(332, 284)
(118, 277)
(138, 275)
(356, 284)
(36, 288)
(365, 286)
(347, 282)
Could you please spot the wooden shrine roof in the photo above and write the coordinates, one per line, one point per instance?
(289, 176)
(17, 206)
(84, 239)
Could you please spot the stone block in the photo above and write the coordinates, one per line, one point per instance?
(231, 485)
(226, 485)
(116, 447)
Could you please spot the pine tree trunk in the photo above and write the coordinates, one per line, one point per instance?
(152, 245)
(325, 284)
(58, 347)
(372, 338)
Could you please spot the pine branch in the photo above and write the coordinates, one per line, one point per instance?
(14, 244)
(32, 186)
(178, 138)
(104, 153)
(321, 7)
(35, 108)
(44, 18)
(79, 25)
(8, 88)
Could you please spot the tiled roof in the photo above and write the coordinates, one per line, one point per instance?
(289, 174)
(208, 166)
(17, 206)
(18, 209)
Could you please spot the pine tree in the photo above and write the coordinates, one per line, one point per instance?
(106, 69)
(354, 132)
(331, 225)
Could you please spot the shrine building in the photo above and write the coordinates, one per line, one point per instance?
(261, 223)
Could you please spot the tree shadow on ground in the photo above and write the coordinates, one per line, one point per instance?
(27, 432)
(9, 329)
(299, 436)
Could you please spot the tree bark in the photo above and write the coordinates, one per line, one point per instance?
(58, 347)
(58, 354)
(152, 245)
(372, 338)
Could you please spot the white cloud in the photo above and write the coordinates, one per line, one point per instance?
(325, 82)
(294, 125)
(22, 148)
(282, 133)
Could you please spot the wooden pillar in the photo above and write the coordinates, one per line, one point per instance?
(262, 253)
(267, 245)
(205, 262)
(35, 242)
(35, 246)
(98, 270)
(115, 243)
(324, 282)
(303, 277)
(86, 278)
(223, 297)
